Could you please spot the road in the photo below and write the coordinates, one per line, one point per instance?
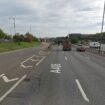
(56, 77)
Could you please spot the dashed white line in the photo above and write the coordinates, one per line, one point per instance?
(65, 58)
(81, 90)
(12, 88)
(40, 61)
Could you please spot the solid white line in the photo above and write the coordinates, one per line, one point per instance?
(81, 90)
(12, 88)
(2, 75)
(65, 58)
(40, 61)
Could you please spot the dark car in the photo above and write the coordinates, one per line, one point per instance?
(66, 46)
(81, 48)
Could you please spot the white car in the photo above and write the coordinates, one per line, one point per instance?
(94, 45)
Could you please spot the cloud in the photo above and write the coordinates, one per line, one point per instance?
(52, 17)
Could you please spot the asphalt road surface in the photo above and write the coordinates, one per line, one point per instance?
(55, 77)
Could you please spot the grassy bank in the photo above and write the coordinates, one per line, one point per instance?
(8, 46)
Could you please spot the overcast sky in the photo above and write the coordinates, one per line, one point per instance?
(51, 17)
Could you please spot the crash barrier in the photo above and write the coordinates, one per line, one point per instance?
(95, 51)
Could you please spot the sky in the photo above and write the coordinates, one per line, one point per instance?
(51, 18)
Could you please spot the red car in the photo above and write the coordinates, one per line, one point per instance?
(81, 48)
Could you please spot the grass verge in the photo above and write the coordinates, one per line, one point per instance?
(8, 46)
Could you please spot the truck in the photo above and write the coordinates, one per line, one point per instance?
(66, 46)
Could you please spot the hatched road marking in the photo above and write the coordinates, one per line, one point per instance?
(12, 88)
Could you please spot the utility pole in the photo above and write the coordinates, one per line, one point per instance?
(102, 27)
(14, 25)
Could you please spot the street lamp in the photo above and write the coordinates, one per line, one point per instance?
(102, 27)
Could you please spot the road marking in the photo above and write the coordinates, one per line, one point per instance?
(40, 61)
(25, 66)
(81, 90)
(65, 58)
(34, 60)
(2, 75)
(12, 88)
(56, 71)
(8, 80)
(22, 63)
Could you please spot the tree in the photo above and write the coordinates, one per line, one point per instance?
(29, 37)
(18, 38)
(74, 40)
(2, 34)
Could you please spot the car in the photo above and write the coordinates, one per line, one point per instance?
(80, 48)
(66, 46)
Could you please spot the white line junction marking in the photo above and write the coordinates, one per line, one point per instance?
(81, 90)
(6, 79)
(12, 88)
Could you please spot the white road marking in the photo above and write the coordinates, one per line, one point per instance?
(81, 90)
(25, 66)
(34, 60)
(2, 75)
(22, 63)
(56, 71)
(40, 61)
(8, 80)
(12, 88)
(65, 58)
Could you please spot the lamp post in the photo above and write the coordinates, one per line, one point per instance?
(102, 27)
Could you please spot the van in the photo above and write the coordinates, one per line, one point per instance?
(94, 45)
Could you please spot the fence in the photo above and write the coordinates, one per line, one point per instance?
(95, 51)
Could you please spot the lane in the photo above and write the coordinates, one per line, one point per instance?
(91, 74)
(46, 87)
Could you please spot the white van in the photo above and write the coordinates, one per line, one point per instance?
(94, 45)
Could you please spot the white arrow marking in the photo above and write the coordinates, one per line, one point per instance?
(8, 80)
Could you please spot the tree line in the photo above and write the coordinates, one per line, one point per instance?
(28, 37)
